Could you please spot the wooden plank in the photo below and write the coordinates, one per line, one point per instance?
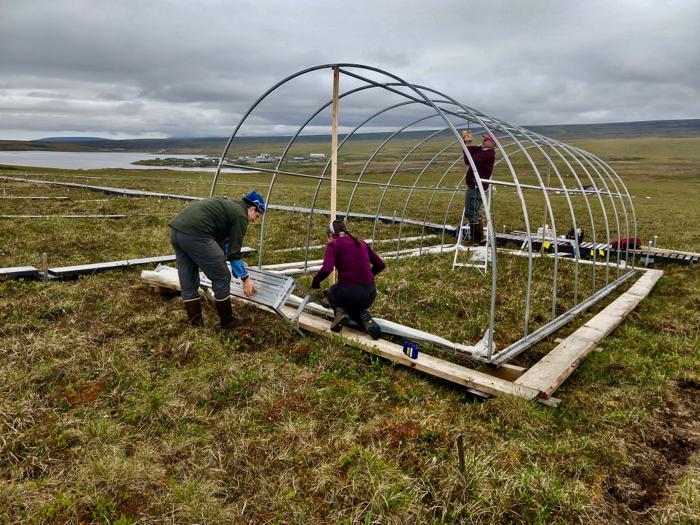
(604, 323)
(425, 363)
(18, 272)
(334, 156)
(554, 368)
(552, 402)
(622, 309)
(590, 333)
(506, 371)
(91, 268)
(639, 289)
(662, 251)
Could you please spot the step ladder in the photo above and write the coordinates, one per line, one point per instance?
(467, 256)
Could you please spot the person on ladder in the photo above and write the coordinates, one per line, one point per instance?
(198, 234)
(357, 264)
(484, 157)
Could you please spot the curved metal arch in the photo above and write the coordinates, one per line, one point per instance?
(323, 172)
(629, 198)
(396, 169)
(568, 150)
(548, 204)
(521, 141)
(600, 201)
(491, 231)
(616, 215)
(415, 184)
(475, 116)
(356, 182)
(610, 174)
(400, 82)
(570, 204)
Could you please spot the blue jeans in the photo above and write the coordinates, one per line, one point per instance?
(472, 205)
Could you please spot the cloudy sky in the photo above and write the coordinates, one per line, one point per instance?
(140, 68)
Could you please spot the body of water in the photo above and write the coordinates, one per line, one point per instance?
(93, 160)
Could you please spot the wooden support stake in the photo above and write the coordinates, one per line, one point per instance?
(334, 152)
(460, 452)
(45, 266)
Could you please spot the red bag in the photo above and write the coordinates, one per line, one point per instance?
(631, 243)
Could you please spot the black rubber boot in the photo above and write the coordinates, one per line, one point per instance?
(341, 316)
(370, 325)
(226, 317)
(477, 229)
(193, 307)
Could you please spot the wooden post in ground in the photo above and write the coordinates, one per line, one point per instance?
(45, 266)
(460, 452)
(334, 152)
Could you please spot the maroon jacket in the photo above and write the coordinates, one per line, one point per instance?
(352, 261)
(483, 160)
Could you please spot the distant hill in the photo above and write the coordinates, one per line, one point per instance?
(649, 128)
(214, 145)
(69, 139)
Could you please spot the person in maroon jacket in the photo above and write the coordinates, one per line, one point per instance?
(484, 157)
(357, 264)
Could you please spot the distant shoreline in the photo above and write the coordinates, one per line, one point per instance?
(213, 146)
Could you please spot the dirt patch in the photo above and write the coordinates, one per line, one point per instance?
(658, 457)
(88, 393)
(293, 403)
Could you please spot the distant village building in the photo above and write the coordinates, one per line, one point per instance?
(317, 156)
(263, 158)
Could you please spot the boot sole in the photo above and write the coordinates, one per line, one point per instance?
(337, 325)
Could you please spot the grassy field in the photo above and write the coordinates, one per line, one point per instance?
(114, 411)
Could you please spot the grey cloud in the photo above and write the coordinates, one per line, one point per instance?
(158, 68)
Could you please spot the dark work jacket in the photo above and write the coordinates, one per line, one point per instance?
(483, 160)
(216, 217)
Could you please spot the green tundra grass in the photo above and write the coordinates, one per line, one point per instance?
(114, 411)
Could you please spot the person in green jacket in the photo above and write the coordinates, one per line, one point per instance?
(200, 234)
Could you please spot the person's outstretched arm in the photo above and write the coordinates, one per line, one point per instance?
(327, 268)
(376, 261)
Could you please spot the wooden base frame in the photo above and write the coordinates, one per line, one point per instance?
(538, 382)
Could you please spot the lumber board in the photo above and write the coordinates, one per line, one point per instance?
(604, 323)
(425, 363)
(506, 371)
(662, 251)
(622, 306)
(590, 333)
(16, 272)
(554, 368)
(143, 193)
(639, 289)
